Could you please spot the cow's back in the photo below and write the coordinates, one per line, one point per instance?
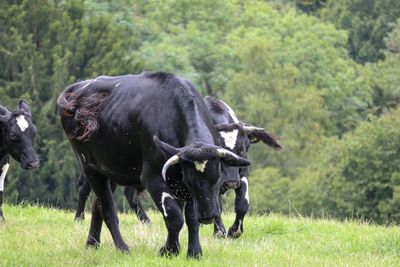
(111, 121)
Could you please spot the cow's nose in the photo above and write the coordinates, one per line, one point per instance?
(33, 164)
(232, 183)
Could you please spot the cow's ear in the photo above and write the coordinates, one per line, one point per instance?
(165, 148)
(24, 107)
(4, 115)
(236, 161)
(3, 111)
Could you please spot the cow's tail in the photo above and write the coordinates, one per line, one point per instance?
(266, 138)
(83, 107)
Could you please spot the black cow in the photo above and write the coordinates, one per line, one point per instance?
(16, 139)
(114, 125)
(235, 136)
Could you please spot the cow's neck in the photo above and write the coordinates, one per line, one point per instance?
(3, 152)
(197, 125)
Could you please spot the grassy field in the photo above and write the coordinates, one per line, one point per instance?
(35, 236)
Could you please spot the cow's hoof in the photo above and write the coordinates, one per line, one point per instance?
(220, 234)
(124, 249)
(92, 243)
(234, 233)
(195, 253)
(169, 252)
(145, 221)
(79, 218)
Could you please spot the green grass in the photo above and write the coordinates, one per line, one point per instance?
(36, 236)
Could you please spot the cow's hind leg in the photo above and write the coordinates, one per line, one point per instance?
(83, 194)
(131, 195)
(241, 208)
(171, 211)
(104, 209)
(96, 223)
(3, 171)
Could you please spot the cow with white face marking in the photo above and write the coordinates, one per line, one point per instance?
(115, 126)
(17, 133)
(236, 137)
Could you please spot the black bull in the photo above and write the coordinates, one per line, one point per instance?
(114, 125)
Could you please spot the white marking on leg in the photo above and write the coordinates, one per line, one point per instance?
(83, 157)
(22, 123)
(230, 138)
(3, 175)
(163, 196)
(246, 196)
(231, 112)
(117, 84)
(200, 165)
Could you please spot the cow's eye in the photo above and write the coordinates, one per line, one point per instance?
(13, 136)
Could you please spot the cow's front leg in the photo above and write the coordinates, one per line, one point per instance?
(103, 190)
(241, 208)
(194, 248)
(171, 211)
(83, 194)
(219, 228)
(131, 194)
(3, 171)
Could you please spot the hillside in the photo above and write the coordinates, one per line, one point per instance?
(36, 236)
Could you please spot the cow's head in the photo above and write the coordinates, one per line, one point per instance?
(18, 133)
(201, 166)
(236, 137)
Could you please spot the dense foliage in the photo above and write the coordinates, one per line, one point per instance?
(323, 75)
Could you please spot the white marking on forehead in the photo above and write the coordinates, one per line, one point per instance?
(200, 165)
(3, 175)
(22, 123)
(163, 197)
(230, 138)
(231, 112)
(246, 196)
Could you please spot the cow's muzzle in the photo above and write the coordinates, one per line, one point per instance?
(31, 165)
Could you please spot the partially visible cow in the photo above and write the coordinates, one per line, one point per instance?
(115, 126)
(17, 133)
(236, 137)
(131, 194)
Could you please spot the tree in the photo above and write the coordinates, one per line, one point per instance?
(368, 22)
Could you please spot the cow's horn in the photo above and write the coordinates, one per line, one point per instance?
(222, 152)
(171, 161)
(249, 129)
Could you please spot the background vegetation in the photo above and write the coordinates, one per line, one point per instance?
(322, 74)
